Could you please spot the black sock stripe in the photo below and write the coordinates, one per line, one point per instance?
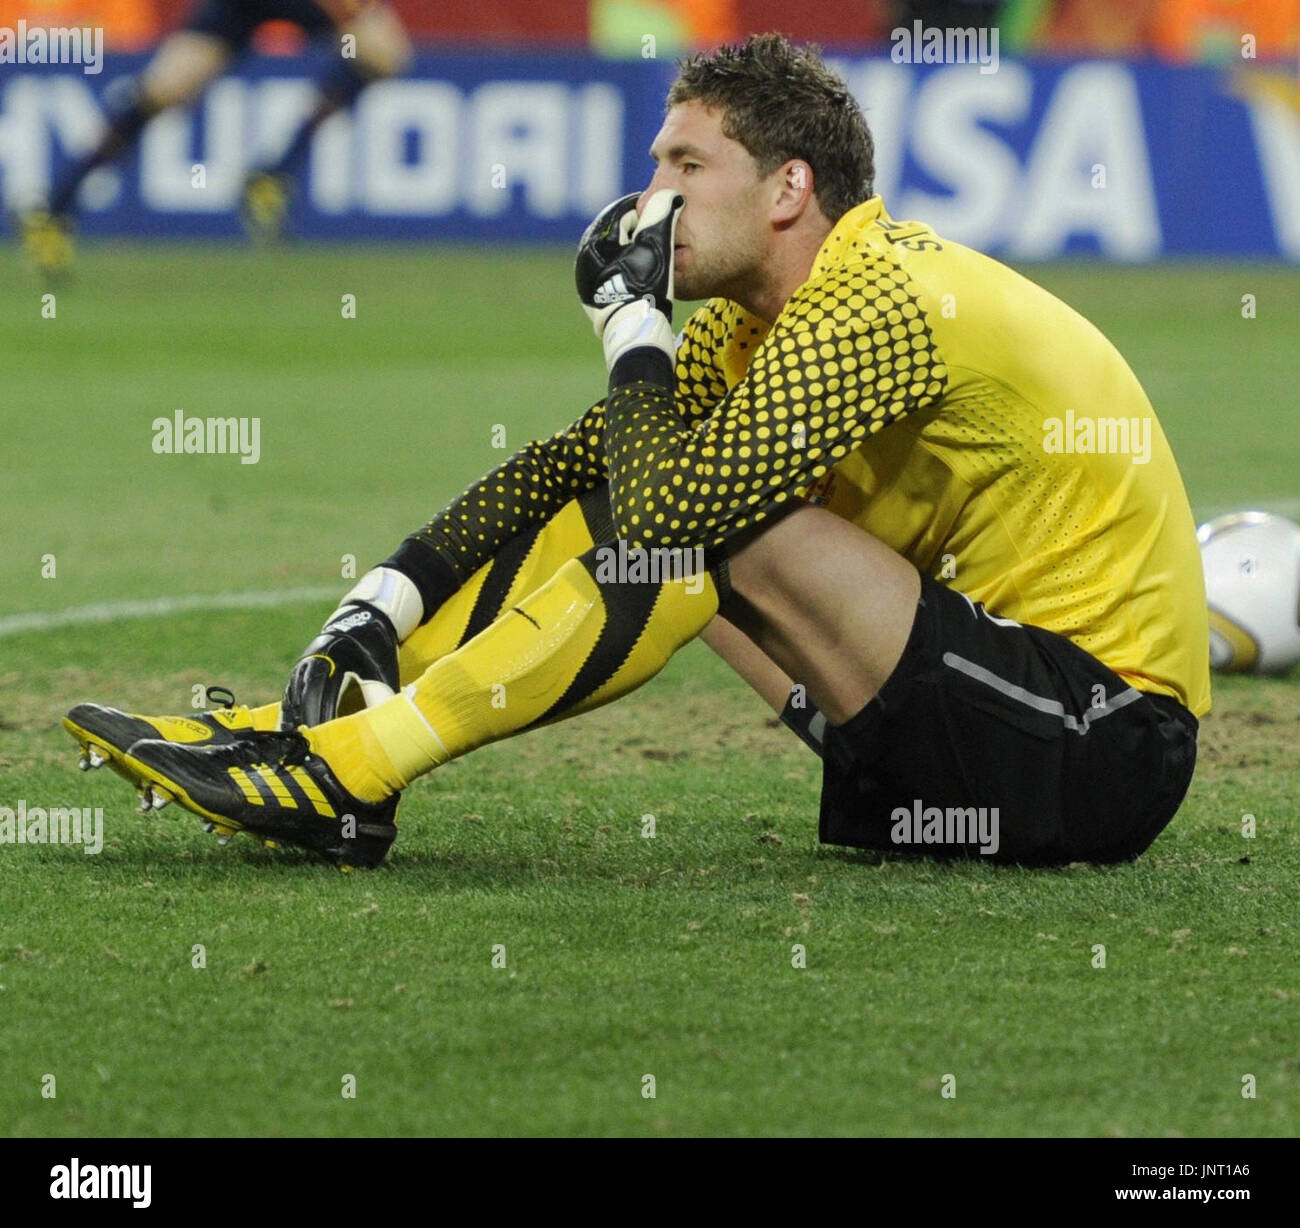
(432, 574)
(628, 608)
(597, 513)
(491, 597)
(490, 603)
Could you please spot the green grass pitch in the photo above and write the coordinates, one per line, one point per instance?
(624, 957)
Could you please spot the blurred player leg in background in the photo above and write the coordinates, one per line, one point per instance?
(184, 65)
(372, 44)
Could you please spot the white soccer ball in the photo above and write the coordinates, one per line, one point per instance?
(1252, 585)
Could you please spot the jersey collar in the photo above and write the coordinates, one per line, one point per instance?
(839, 243)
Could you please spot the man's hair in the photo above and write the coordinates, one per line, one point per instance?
(781, 102)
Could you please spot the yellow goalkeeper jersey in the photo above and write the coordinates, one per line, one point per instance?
(1008, 451)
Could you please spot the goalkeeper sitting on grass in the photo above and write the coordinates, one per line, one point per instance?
(860, 433)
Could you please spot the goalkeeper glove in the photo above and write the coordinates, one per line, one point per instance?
(352, 663)
(624, 274)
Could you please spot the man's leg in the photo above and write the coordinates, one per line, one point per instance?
(821, 558)
(952, 732)
(827, 604)
(853, 560)
(104, 734)
(581, 639)
(772, 683)
(578, 641)
(178, 73)
(370, 45)
(183, 65)
(786, 698)
(521, 566)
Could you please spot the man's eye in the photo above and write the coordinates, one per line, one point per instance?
(687, 167)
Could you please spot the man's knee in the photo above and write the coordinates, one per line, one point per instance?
(184, 65)
(383, 48)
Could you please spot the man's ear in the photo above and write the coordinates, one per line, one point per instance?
(794, 191)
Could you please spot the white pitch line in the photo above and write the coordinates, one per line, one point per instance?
(158, 607)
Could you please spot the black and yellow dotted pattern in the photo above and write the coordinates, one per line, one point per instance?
(525, 491)
(701, 379)
(850, 353)
(759, 412)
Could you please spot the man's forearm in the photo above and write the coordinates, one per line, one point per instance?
(511, 500)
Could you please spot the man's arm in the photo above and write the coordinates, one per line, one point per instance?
(545, 474)
(524, 491)
(850, 354)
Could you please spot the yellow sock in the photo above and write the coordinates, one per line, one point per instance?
(266, 718)
(501, 582)
(379, 750)
(384, 748)
(517, 670)
(571, 645)
(465, 699)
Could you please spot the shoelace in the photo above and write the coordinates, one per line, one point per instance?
(268, 748)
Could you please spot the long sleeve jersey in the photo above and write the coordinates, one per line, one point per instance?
(930, 395)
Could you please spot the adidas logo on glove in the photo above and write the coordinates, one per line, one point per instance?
(612, 291)
(350, 623)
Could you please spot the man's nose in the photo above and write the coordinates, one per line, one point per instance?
(651, 188)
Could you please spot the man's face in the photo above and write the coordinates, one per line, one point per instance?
(723, 231)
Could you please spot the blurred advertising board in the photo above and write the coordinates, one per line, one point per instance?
(1033, 160)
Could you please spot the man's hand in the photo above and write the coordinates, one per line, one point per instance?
(624, 274)
(351, 664)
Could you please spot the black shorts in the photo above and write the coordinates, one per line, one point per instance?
(999, 736)
(235, 20)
